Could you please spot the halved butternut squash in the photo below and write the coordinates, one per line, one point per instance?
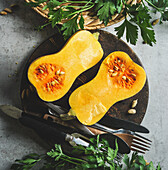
(53, 75)
(118, 78)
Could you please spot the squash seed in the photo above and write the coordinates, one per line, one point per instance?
(134, 75)
(116, 68)
(124, 77)
(41, 71)
(58, 72)
(43, 66)
(56, 81)
(8, 10)
(134, 103)
(121, 65)
(14, 6)
(131, 111)
(48, 84)
(128, 79)
(62, 72)
(27, 92)
(111, 71)
(155, 22)
(23, 94)
(53, 83)
(3, 13)
(114, 74)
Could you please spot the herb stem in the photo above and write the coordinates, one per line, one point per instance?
(76, 159)
(75, 163)
(79, 2)
(71, 6)
(82, 10)
(158, 9)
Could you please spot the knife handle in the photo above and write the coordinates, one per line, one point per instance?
(43, 129)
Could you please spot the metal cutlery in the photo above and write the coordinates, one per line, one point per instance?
(48, 131)
(135, 141)
(40, 127)
(51, 132)
(111, 122)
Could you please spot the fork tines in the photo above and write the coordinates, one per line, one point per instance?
(140, 144)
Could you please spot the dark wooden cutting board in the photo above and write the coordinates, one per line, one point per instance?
(110, 43)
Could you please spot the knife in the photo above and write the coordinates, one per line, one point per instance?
(41, 128)
(52, 133)
(110, 122)
(116, 123)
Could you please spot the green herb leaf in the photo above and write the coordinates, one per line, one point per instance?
(119, 5)
(106, 10)
(165, 16)
(27, 161)
(126, 160)
(91, 158)
(148, 35)
(70, 27)
(56, 17)
(158, 167)
(142, 160)
(120, 29)
(81, 22)
(98, 158)
(131, 31)
(139, 16)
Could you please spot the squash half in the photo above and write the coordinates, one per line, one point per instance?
(118, 78)
(53, 75)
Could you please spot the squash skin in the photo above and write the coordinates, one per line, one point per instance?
(91, 101)
(80, 53)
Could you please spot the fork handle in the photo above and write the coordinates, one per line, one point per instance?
(104, 128)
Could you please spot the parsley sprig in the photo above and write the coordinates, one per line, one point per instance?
(98, 155)
(139, 16)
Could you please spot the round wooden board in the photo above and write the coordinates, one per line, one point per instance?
(110, 43)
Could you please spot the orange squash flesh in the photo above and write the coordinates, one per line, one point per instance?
(118, 78)
(53, 75)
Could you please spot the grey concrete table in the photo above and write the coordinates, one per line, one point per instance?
(18, 41)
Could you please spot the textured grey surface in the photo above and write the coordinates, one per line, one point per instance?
(18, 41)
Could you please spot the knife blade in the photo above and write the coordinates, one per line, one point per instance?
(110, 122)
(48, 131)
(116, 123)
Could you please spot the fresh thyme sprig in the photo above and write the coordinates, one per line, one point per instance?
(139, 16)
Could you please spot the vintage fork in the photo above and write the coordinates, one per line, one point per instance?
(135, 141)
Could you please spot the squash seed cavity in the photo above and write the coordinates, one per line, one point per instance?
(51, 76)
(125, 76)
